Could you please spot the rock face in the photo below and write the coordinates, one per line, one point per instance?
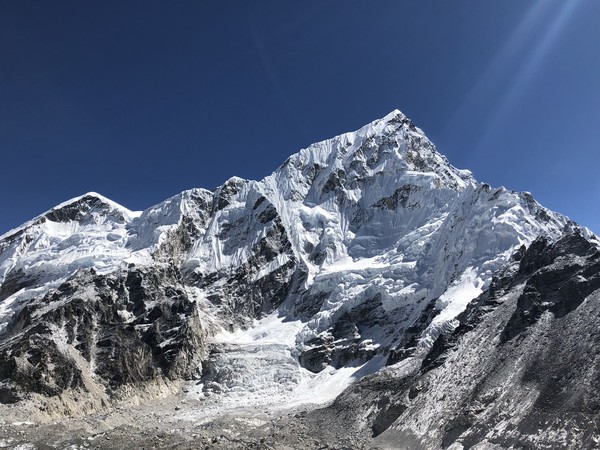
(519, 371)
(98, 332)
(363, 251)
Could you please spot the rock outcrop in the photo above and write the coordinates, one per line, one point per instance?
(458, 314)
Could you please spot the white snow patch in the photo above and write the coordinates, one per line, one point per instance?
(458, 295)
(273, 329)
(451, 303)
(263, 370)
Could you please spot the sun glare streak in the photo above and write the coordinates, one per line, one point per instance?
(491, 78)
(494, 71)
(527, 71)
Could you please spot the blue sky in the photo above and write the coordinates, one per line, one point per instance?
(139, 100)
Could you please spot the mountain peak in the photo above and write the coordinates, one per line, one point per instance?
(391, 149)
(360, 251)
(394, 116)
(83, 207)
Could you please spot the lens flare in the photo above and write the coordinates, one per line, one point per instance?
(527, 71)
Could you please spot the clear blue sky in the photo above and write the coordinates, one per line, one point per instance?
(139, 100)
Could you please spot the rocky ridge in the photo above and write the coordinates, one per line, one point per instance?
(354, 265)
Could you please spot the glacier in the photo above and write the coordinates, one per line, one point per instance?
(354, 256)
(376, 211)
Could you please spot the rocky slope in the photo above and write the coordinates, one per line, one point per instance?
(354, 266)
(519, 371)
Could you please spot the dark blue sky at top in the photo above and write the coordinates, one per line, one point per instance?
(139, 100)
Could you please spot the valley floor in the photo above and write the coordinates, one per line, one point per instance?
(176, 422)
(218, 412)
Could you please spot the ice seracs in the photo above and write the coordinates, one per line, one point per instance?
(371, 243)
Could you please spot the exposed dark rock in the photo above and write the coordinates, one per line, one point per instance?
(335, 181)
(137, 304)
(225, 192)
(82, 210)
(532, 335)
(348, 341)
(411, 335)
(400, 197)
(559, 281)
(105, 321)
(244, 296)
(14, 282)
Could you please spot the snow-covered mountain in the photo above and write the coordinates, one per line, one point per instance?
(357, 256)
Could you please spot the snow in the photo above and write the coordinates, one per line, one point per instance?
(114, 205)
(373, 214)
(350, 264)
(451, 303)
(455, 299)
(24, 447)
(262, 370)
(271, 330)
